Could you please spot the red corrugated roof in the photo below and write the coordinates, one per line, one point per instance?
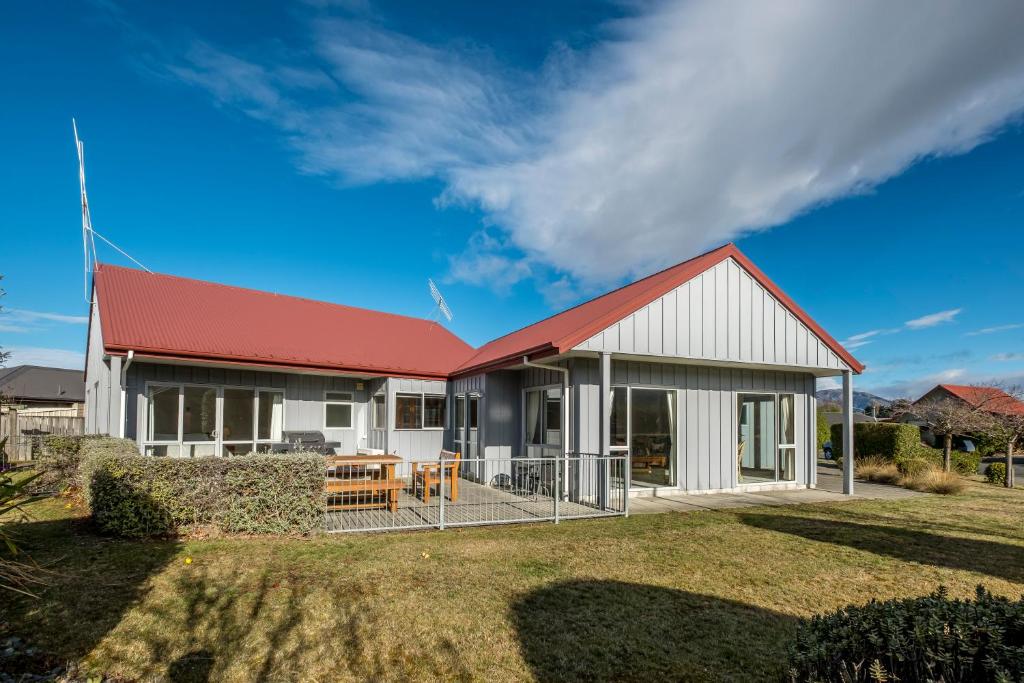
(164, 315)
(566, 330)
(991, 399)
(175, 317)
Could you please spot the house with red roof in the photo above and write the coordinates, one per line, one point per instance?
(702, 374)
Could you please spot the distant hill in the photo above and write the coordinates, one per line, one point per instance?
(862, 400)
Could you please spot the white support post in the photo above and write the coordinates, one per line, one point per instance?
(848, 432)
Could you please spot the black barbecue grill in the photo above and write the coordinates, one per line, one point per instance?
(305, 441)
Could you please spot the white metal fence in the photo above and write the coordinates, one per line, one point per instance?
(452, 492)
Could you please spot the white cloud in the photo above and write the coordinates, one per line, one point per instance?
(689, 125)
(995, 329)
(1008, 357)
(916, 387)
(36, 355)
(933, 319)
(824, 383)
(23, 315)
(15, 329)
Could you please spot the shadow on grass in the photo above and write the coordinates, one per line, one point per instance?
(90, 582)
(610, 630)
(1000, 560)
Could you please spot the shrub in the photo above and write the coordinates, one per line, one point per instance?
(877, 469)
(934, 480)
(824, 431)
(913, 467)
(57, 463)
(996, 473)
(916, 639)
(891, 440)
(960, 462)
(144, 496)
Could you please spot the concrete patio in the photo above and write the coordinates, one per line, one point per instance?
(829, 489)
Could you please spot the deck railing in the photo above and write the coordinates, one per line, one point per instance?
(475, 491)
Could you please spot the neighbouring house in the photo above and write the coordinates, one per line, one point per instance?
(991, 399)
(40, 390)
(703, 373)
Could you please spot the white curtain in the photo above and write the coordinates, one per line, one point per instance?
(533, 417)
(277, 416)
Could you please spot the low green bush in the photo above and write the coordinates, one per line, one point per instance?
(962, 463)
(824, 431)
(891, 440)
(931, 638)
(996, 473)
(57, 463)
(914, 466)
(145, 496)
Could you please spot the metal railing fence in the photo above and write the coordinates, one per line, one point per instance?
(454, 492)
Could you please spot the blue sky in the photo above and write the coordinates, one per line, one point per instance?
(867, 158)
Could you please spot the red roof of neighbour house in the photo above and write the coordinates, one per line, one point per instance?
(991, 399)
(175, 317)
(563, 331)
(172, 317)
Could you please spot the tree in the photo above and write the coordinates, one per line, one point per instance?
(1003, 422)
(948, 417)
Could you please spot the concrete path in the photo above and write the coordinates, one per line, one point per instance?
(830, 489)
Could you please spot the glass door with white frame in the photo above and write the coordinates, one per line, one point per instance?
(652, 436)
(766, 442)
(199, 421)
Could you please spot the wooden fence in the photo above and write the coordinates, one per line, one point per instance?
(24, 432)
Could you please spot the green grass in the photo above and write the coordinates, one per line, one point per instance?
(708, 595)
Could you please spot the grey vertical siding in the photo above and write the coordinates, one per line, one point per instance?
(102, 391)
(413, 444)
(722, 314)
(706, 405)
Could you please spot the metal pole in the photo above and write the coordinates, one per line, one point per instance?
(848, 432)
(558, 487)
(625, 484)
(440, 514)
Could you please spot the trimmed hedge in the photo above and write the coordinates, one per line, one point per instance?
(891, 440)
(966, 464)
(824, 431)
(996, 473)
(61, 460)
(930, 638)
(253, 494)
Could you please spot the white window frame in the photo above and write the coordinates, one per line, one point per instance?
(373, 412)
(423, 411)
(350, 403)
(779, 446)
(218, 442)
(542, 390)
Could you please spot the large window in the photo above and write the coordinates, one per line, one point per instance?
(419, 411)
(543, 421)
(766, 447)
(337, 410)
(650, 426)
(194, 420)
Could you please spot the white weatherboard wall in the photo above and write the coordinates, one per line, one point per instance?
(707, 427)
(722, 314)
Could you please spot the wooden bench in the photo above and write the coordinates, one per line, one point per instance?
(374, 489)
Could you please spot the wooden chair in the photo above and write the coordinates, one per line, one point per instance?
(426, 475)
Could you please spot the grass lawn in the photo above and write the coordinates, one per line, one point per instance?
(708, 595)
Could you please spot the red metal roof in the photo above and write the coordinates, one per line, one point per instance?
(563, 331)
(991, 399)
(164, 315)
(175, 317)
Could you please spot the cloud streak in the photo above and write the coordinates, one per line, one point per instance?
(23, 315)
(688, 125)
(38, 355)
(996, 329)
(933, 319)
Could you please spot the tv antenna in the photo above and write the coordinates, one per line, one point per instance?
(88, 234)
(442, 305)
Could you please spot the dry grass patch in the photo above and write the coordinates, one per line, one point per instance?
(934, 480)
(877, 469)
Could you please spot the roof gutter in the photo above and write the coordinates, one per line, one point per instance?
(124, 381)
(565, 414)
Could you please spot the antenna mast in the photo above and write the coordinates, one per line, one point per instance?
(88, 241)
(442, 305)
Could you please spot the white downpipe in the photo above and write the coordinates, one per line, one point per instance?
(565, 412)
(124, 380)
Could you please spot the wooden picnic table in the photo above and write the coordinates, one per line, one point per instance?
(374, 486)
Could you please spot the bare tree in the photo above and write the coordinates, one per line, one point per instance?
(1003, 421)
(947, 417)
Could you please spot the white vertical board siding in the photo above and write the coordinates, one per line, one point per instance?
(706, 402)
(721, 314)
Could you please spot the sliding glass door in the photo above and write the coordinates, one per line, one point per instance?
(766, 442)
(643, 424)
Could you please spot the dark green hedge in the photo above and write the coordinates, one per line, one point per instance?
(60, 459)
(892, 440)
(962, 463)
(824, 433)
(255, 494)
(996, 473)
(932, 638)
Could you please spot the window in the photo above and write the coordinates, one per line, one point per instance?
(194, 420)
(433, 412)
(474, 412)
(766, 448)
(652, 431)
(620, 433)
(544, 417)
(337, 410)
(460, 415)
(380, 420)
(408, 411)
